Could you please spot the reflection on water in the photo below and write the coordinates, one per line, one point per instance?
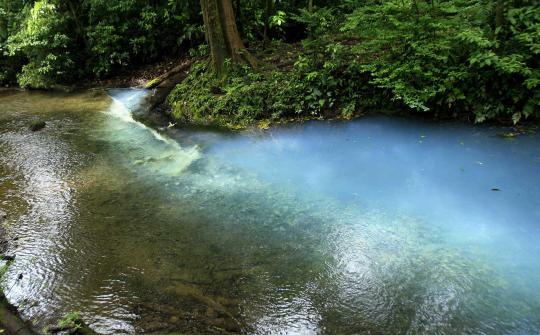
(373, 226)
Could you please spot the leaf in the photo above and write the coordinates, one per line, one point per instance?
(516, 117)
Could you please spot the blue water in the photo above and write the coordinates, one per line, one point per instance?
(379, 225)
(446, 215)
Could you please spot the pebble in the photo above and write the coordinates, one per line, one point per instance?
(37, 125)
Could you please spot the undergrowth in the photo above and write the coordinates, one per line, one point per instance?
(317, 80)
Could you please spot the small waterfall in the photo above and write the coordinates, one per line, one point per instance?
(145, 146)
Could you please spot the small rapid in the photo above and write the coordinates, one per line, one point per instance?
(156, 150)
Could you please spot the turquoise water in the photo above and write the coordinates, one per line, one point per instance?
(377, 225)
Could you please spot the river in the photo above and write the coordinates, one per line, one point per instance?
(379, 225)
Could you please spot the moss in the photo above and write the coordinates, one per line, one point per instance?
(153, 83)
(70, 321)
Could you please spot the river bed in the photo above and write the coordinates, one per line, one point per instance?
(378, 225)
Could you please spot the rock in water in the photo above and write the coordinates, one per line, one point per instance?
(8, 258)
(37, 125)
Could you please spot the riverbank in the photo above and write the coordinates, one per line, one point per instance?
(293, 82)
(137, 77)
(196, 98)
(10, 322)
(313, 80)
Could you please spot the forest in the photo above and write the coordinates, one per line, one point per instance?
(470, 59)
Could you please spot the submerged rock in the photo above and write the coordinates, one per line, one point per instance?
(155, 326)
(8, 258)
(37, 125)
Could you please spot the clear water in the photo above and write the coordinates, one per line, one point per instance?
(378, 225)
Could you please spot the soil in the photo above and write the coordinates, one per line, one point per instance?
(135, 77)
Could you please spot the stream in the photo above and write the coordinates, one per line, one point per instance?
(380, 225)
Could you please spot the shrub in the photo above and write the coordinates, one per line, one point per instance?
(12, 13)
(129, 32)
(324, 81)
(449, 56)
(43, 41)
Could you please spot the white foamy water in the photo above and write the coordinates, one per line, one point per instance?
(148, 147)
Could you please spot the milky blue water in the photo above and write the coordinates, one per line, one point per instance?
(378, 225)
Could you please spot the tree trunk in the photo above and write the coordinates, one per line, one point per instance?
(239, 13)
(222, 35)
(79, 27)
(267, 12)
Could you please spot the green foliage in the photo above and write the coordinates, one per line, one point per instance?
(288, 17)
(51, 42)
(319, 21)
(203, 99)
(128, 32)
(12, 13)
(324, 81)
(44, 42)
(3, 270)
(447, 56)
(70, 321)
(476, 58)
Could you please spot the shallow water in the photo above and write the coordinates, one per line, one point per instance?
(378, 225)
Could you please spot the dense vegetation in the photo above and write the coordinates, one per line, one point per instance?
(50, 42)
(462, 58)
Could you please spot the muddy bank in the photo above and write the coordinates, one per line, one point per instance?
(137, 77)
